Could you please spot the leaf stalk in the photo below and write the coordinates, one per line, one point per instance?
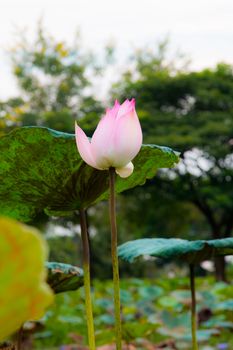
(115, 264)
(87, 279)
(193, 308)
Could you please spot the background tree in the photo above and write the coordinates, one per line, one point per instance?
(193, 113)
(54, 81)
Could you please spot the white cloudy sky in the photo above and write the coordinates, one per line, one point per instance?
(201, 28)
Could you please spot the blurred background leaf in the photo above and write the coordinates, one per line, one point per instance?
(24, 292)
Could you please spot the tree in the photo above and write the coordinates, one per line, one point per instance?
(193, 113)
(54, 80)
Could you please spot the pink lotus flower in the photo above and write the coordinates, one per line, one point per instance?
(115, 142)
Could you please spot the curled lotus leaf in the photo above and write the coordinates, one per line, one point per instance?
(64, 277)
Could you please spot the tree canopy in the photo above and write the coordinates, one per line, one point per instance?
(55, 85)
(192, 112)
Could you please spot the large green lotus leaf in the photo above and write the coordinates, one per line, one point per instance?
(189, 251)
(64, 277)
(41, 169)
(24, 294)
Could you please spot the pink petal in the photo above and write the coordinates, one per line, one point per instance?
(84, 146)
(127, 139)
(102, 139)
(126, 107)
(126, 170)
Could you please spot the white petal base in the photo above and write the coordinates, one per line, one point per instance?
(126, 170)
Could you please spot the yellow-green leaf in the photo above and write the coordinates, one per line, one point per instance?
(24, 294)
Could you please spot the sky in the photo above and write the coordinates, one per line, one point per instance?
(202, 29)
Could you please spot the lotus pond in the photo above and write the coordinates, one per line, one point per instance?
(156, 315)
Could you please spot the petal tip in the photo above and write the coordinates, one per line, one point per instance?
(116, 104)
(133, 102)
(125, 171)
(77, 127)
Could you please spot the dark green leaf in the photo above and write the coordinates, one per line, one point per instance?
(150, 292)
(64, 277)
(134, 330)
(41, 170)
(189, 251)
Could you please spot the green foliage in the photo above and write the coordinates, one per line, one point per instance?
(181, 112)
(192, 112)
(154, 312)
(41, 170)
(191, 252)
(64, 277)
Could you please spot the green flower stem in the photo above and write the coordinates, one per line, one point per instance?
(194, 315)
(87, 283)
(115, 267)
